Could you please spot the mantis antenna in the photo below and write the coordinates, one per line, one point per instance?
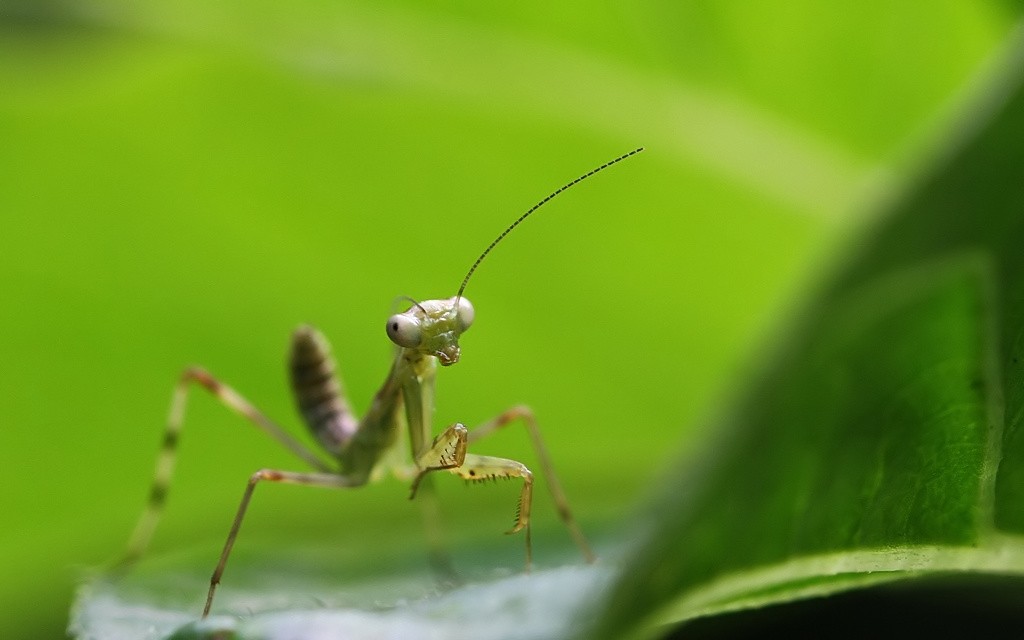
(359, 446)
(501, 236)
(411, 300)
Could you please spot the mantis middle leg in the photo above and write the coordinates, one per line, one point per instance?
(147, 523)
(328, 480)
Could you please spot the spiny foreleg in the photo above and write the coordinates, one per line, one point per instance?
(475, 468)
(448, 453)
(526, 415)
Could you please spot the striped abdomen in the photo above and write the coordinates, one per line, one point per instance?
(318, 393)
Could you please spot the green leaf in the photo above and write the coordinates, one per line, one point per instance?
(320, 594)
(185, 182)
(883, 441)
(880, 443)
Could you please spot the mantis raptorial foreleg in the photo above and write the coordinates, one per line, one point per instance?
(547, 468)
(167, 457)
(443, 455)
(476, 468)
(480, 468)
(426, 336)
(447, 452)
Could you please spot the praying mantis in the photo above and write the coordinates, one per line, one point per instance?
(425, 336)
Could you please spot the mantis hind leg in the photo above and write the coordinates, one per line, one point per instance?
(147, 523)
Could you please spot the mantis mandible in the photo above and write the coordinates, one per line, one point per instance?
(425, 335)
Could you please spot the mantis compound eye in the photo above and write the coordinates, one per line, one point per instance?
(466, 314)
(404, 331)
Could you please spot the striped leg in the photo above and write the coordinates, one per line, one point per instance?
(328, 480)
(147, 523)
(547, 468)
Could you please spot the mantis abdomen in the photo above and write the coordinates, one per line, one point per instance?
(318, 392)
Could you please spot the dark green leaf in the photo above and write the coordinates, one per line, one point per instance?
(884, 440)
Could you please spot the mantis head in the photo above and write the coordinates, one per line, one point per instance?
(432, 327)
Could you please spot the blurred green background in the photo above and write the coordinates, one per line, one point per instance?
(184, 184)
